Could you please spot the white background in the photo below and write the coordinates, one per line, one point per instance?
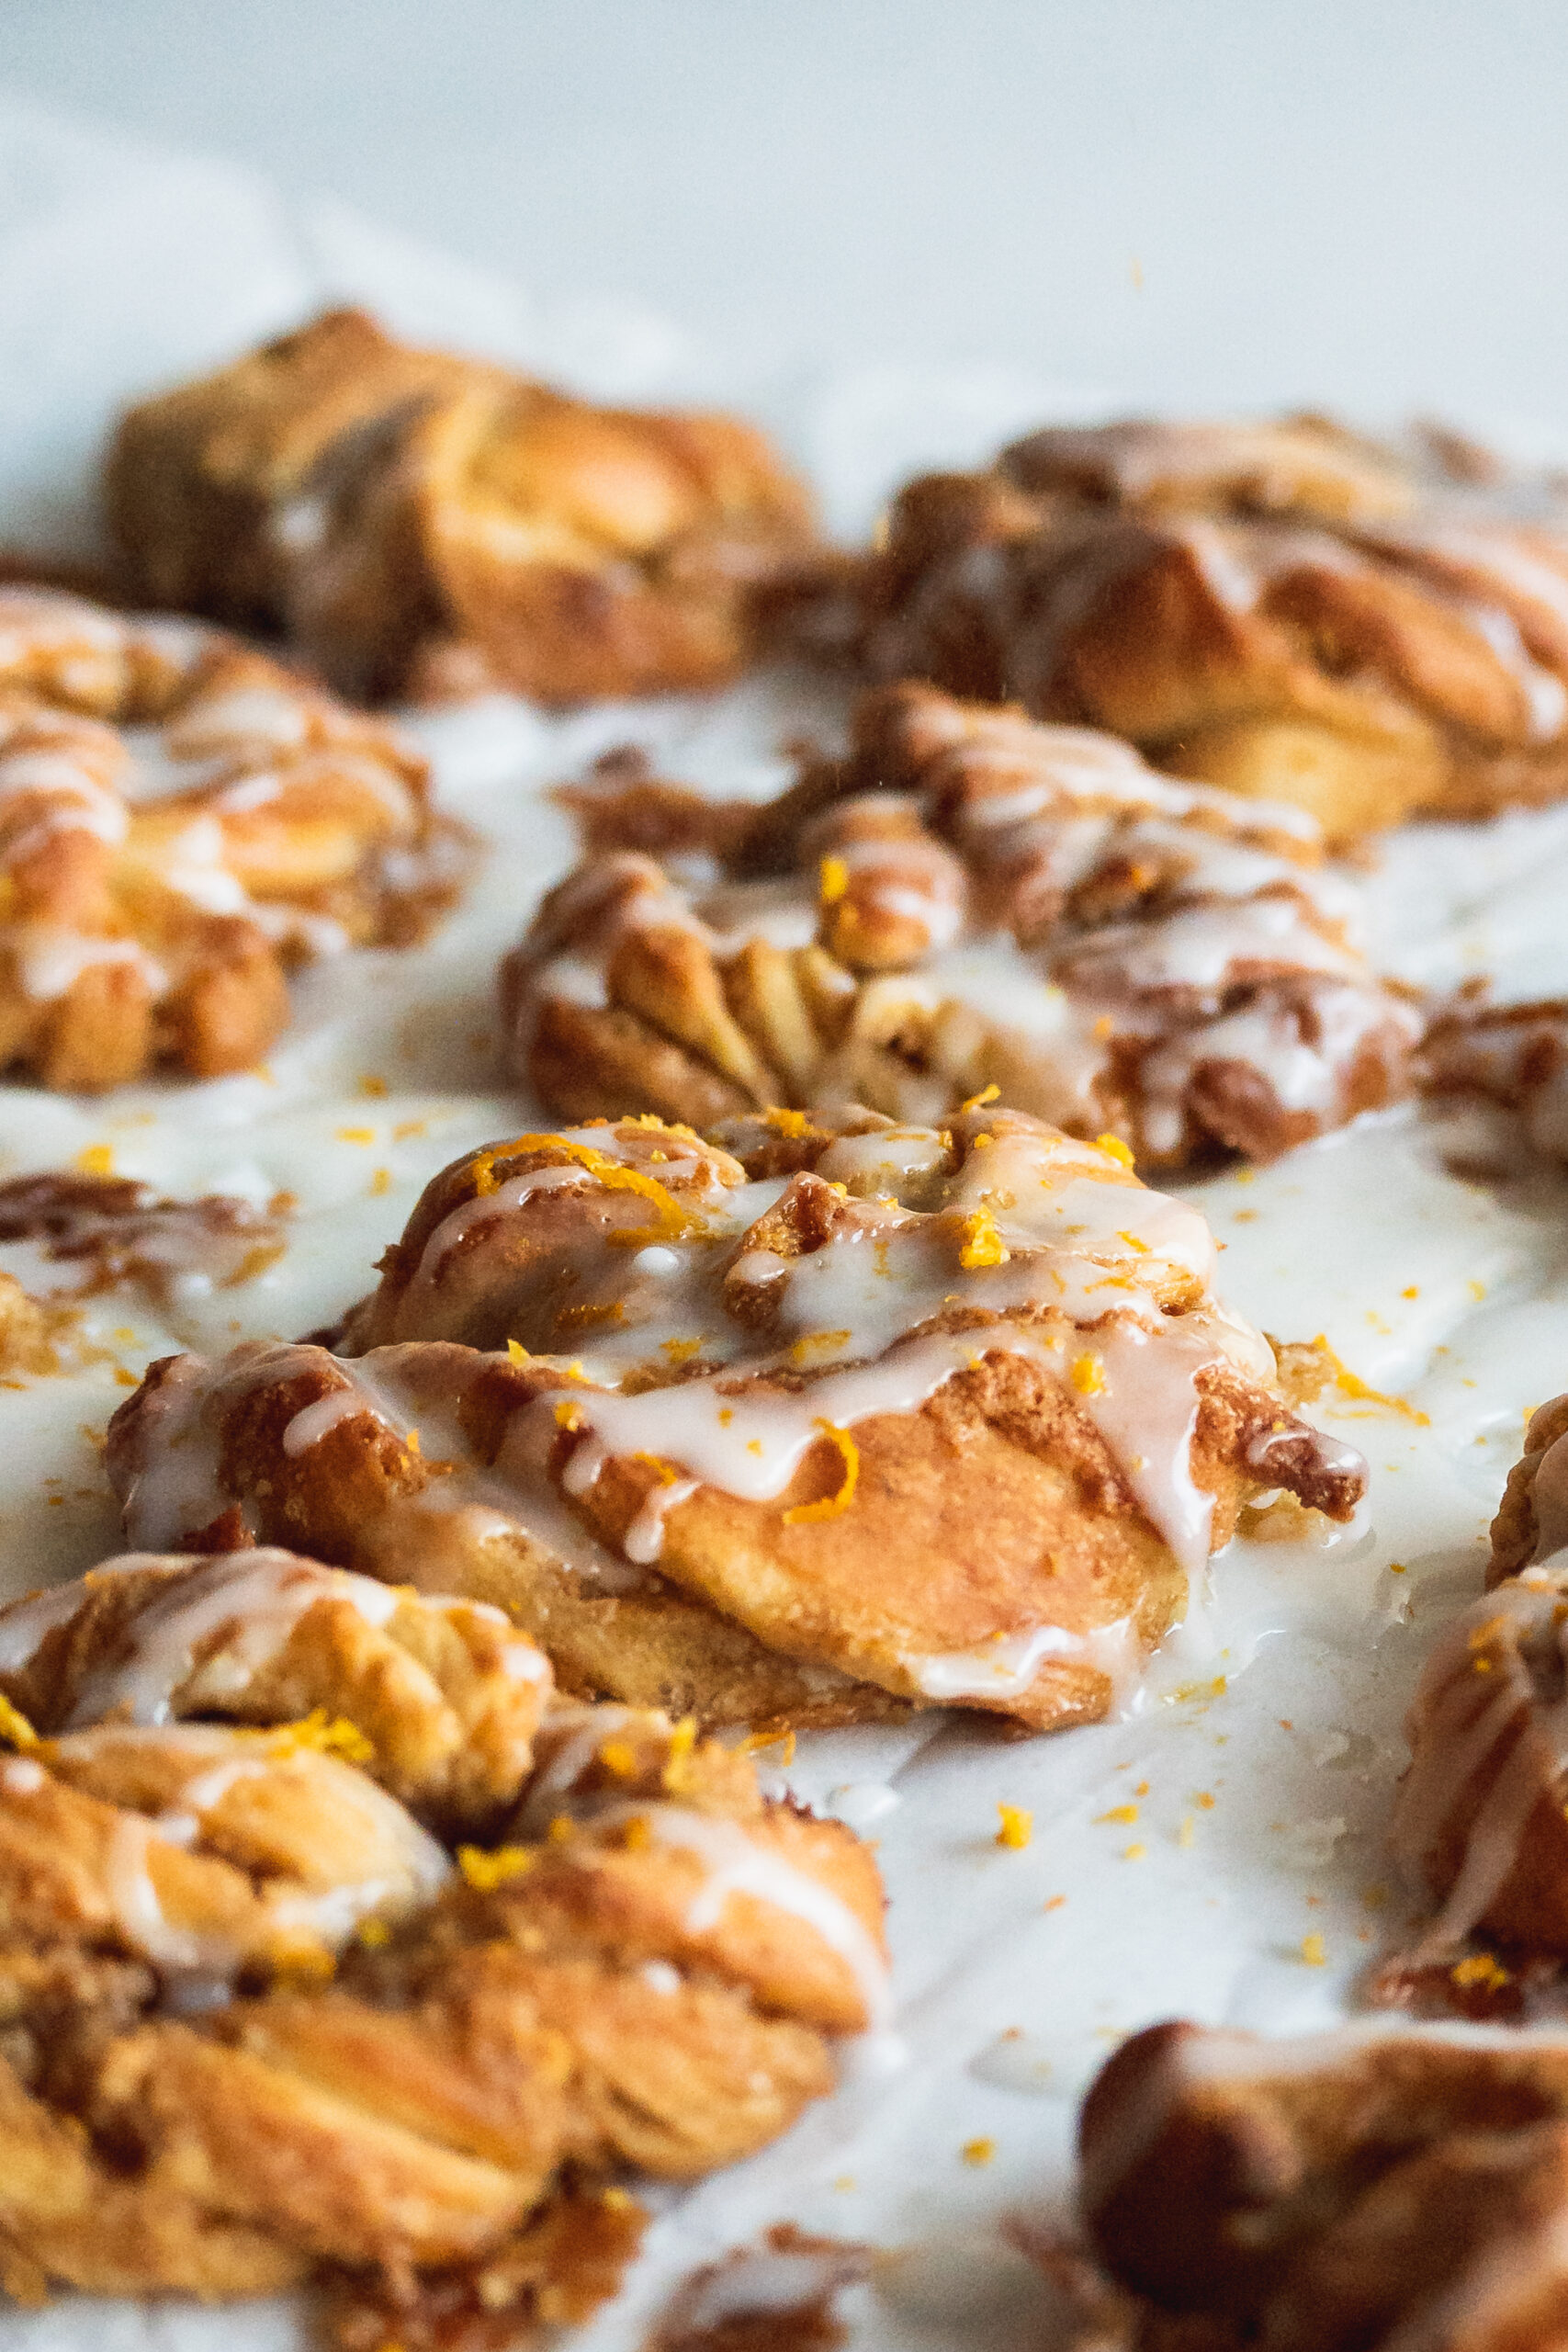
(1221, 203)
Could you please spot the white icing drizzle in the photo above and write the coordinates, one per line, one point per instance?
(1007, 1667)
(735, 1863)
(252, 1599)
(1520, 1634)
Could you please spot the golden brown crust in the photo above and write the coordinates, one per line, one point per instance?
(1282, 609)
(1162, 961)
(644, 1973)
(156, 885)
(1350, 2192)
(943, 1507)
(410, 518)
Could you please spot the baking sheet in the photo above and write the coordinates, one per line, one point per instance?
(1261, 1757)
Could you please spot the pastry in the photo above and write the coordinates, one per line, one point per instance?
(444, 1695)
(411, 521)
(260, 2029)
(1478, 1825)
(969, 899)
(1512, 1059)
(1284, 609)
(181, 821)
(816, 1421)
(106, 1231)
(1349, 2193)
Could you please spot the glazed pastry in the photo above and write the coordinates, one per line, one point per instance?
(1511, 1058)
(818, 1421)
(261, 2030)
(414, 520)
(1349, 2193)
(180, 822)
(1284, 609)
(445, 1696)
(969, 898)
(1479, 1824)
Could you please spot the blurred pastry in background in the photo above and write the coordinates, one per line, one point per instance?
(1350, 2192)
(812, 1422)
(182, 822)
(1287, 609)
(969, 898)
(414, 522)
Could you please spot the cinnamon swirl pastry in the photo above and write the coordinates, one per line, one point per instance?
(1284, 609)
(1511, 1059)
(261, 2030)
(181, 821)
(1479, 1820)
(1349, 2193)
(818, 1421)
(969, 899)
(413, 521)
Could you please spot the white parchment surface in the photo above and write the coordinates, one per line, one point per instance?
(1182, 1858)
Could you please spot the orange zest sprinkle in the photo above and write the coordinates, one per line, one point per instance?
(1016, 1826)
(1481, 1969)
(1088, 1375)
(1127, 1813)
(96, 1160)
(15, 1728)
(1351, 1385)
(661, 1469)
(978, 1101)
(982, 1244)
(979, 2151)
(793, 1123)
(322, 1735)
(487, 1870)
(373, 1933)
(617, 1755)
(356, 1135)
(1116, 1149)
(677, 1774)
(681, 1350)
(380, 1182)
(671, 1219)
(568, 1414)
(830, 1505)
(515, 1351)
(832, 880)
(1314, 1951)
(636, 1837)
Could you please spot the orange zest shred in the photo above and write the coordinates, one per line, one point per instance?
(982, 1244)
(15, 1728)
(1088, 1375)
(830, 1505)
(661, 1469)
(832, 880)
(979, 2151)
(619, 1756)
(1314, 1951)
(1480, 1967)
(487, 1870)
(322, 1735)
(1351, 1385)
(568, 1414)
(670, 1217)
(677, 1775)
(1016, 1826)
(1115, 1147)
(636, 1837)
(515, 1351)
(978, 1101)
(794, 1123)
